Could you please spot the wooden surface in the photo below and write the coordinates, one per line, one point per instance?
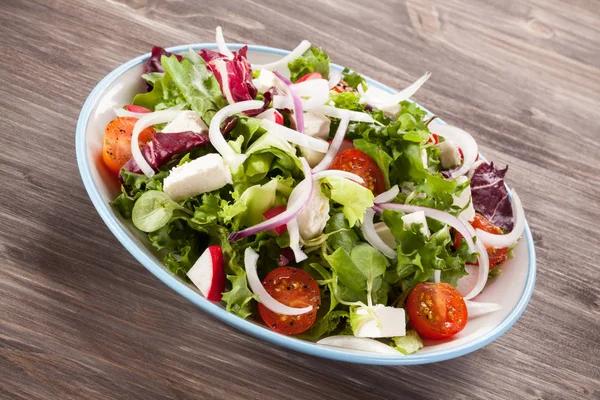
(81, 319)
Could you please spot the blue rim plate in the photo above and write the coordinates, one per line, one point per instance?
(161, 273)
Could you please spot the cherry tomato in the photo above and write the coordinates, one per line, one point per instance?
(137, 109)
(436, 310)
(434, 138)
(295, 288)
(278, 118)
(357, 162)
(116, 146)
(496, 256)
(308, 77)
(273, 212)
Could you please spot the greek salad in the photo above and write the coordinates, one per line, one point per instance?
(306, 199)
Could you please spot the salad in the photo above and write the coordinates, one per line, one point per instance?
(310, 201)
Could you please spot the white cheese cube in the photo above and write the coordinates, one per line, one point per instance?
(381, 100)
(463, 199)
(315, 126)
(314, 216)
(387, 322)
(201, 175)
(265, 81)
(417, 218)
(187, 121)
(449, 155)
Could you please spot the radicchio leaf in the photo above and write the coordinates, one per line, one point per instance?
(153, 64)
(163, 146)
(238, 73)
(490, 197)
(267, 98)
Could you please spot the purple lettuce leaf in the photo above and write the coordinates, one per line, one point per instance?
(490, 197)
(164, 146)
(153, 64)
(267, 98)
(239, 73)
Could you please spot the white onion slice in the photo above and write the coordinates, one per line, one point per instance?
(294, 232)
(463, 140)
(437, 276)
(335, 77)
(223, 49)
(149, 119)
(295, 137)
(291, 211)
(507, 240)
(359, 344)
(283, 62)
(340, 112)
(448, 219)
(306, 186)
(387, 196)
(368, 230)
(338, 174)
(407, 93)
(121, 112)
(334, 148)
(232, 159)
(250, 259)
(476, 309)
(297, 102)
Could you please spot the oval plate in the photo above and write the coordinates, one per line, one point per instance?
(512, 289)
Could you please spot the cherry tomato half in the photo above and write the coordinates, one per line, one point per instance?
(308, 77)
(436, 310)
(273, 212)
(357, 162)
(116, 146)
(295, 288)
(496, 256)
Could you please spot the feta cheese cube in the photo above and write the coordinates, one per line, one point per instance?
(315, 126)
(449, 155)
(198, 176)
(187, 121)
(314, 216)
(463, 199)
(265, 81)
(386, 322)
(417, 218)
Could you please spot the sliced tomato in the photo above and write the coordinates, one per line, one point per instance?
(346, 144)
(116, 146)
(308, 77)
(278, 117)
(359, 163)
(273, 212)
(434, 138)
(496, 256)
(436, 310)
(295, 288)
(137, 109)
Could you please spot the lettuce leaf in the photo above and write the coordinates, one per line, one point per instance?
(407, 344)
(354, 198)
(313, 60)
(196, 83)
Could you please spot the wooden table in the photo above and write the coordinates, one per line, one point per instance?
(81, 319)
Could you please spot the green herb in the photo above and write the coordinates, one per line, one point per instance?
(313, 60)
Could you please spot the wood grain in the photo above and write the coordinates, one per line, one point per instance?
(80, 318)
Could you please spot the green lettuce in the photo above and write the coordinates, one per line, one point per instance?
(313, 60)
(407, 344)
(354, 198)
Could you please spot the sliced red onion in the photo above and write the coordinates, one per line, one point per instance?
(507, 240)
(292, 210)
(358, 344)
(315, 90)
(250, 259)
(149, 119)
(232, 159)
(298, 111)
(335, 77)
(340, 113)
(476, 309)
(223, 49)
(463, 140)
(295, 137)
(338, 174)
(283, 62)
(452, 221)
(437, 276)
(368, 230)
(387, 196)
(334, 148)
